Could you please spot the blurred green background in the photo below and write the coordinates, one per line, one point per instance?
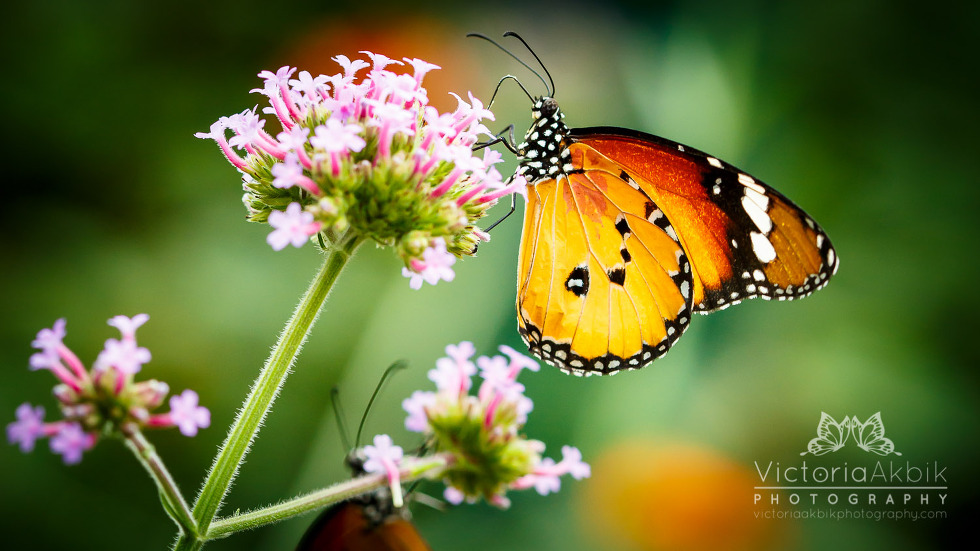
(863, 112)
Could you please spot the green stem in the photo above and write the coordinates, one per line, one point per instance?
(174, 503)
(265, 388)
(320, 498)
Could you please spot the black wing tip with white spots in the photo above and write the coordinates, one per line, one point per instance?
(749, 280)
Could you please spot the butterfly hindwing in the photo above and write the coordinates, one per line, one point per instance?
(744, 239)
(603, 286)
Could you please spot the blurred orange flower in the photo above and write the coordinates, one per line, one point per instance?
(676, 497)
(401, 36)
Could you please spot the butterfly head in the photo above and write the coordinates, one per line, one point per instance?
(543, 154)
(545, 107)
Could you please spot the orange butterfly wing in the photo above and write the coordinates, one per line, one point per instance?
(605, 284)
(743, 238)
(626, 233)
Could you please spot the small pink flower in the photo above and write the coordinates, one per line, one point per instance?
(187, 415)
(421, 68)
(452, 376)
(276, 88)
(294, 226)
(571, 462)
(380, 61)
(518, 361)
(337, 140)
(128, 326)
(51, 339)
(289, 173)
(415, 405)
(350, 67)
(498, 377)
(336, 136)
(53, 352)
(313, 89)
(453, 495)
(217, 133)
(125, 356)
(384, 457)
(390, 119)
(28, 427)
(71, 441)
(436, 265)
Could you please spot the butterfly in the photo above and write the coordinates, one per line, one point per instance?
(363, 523)
(831, 435)
(870, 435)
(627, 234)
(367, 522)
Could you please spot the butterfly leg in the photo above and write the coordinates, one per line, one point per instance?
(500, 137)
(513, 207)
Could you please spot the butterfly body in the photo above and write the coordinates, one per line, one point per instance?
(626, 234)
(369, 522)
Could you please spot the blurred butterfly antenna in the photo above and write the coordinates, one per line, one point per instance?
(400, 364)
(338, 413)
(550, 89)
(426, 499)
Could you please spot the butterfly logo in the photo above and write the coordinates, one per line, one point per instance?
(627, 235)
(832, 435)
(870, 435)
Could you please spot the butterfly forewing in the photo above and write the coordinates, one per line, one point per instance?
(743, 238)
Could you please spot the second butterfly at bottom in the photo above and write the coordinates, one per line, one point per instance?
(364, 523)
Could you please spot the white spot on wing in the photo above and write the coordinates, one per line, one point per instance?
(716, 163)
(749, 182)
(756, 212)
(762, 247)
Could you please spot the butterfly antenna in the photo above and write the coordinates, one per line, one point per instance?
(519, 60)
(400, 364)
(538, 59)
(338, 413)
(497, 89)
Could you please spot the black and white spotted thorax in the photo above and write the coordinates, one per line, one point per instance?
(544, 153)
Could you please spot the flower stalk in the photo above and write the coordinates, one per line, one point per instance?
(267, 385)
(410, 469)
(174, 503)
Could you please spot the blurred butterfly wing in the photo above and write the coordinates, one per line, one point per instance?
(345, 527)
(743, 238)
(604, 284)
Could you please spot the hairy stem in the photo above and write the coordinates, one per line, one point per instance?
(173, 501)
(265, 389)
(414, 469)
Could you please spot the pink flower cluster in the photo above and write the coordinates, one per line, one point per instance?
(102, 398)
(368, 153)
(486, 427)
